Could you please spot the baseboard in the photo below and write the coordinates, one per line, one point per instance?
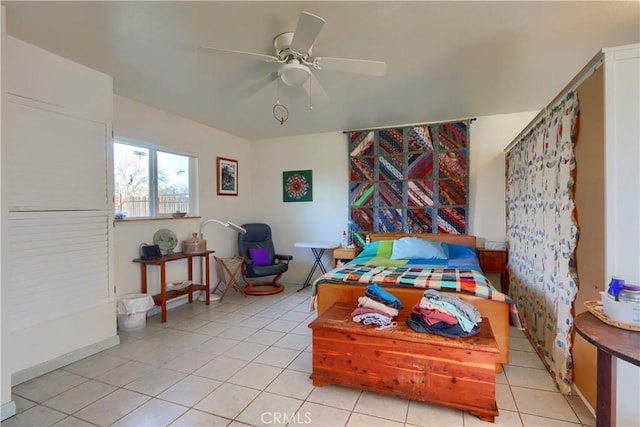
(7, 410)
(64, 360)
(585, 401)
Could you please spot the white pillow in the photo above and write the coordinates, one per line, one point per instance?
(417, 248)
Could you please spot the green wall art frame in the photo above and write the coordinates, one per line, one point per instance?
(297, 186)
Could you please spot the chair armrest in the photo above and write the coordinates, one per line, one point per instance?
(283, 257)
(248, 262)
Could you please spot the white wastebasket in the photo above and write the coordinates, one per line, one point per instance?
(131, 311)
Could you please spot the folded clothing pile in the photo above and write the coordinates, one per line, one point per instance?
(444, 314)
(376, 307)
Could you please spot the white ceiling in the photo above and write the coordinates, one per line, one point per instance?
(445, 60)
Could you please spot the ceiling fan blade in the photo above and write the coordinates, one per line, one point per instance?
(360, 66)
(258, 85)
(216, 50)
(307, 30)
(315, 91)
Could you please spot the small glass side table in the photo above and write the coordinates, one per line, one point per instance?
(229, 270)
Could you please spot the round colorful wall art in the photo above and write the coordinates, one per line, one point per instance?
(297, 186)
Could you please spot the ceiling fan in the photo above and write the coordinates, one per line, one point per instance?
(293, 56)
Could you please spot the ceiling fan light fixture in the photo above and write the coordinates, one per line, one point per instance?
(293, 57)
(294, 73)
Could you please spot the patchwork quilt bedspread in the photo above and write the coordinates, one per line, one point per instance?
(455, 269)
(445, 279)
(450, 279)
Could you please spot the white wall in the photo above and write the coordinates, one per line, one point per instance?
(140, 122)
(326, 155)
(622, 197)
(489, 136)
(322, 219)
(7, 406)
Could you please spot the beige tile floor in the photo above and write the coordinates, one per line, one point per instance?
(247, 362)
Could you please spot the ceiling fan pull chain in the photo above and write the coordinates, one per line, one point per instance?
(280, 112)
(310, 102)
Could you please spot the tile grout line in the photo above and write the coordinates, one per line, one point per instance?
(156, 337)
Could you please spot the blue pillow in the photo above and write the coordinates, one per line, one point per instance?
(259, 256)
(460, 251)
(417, 248)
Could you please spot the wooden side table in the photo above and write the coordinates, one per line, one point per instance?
(164, 296)
(495, 261)
(344, 254)
(610, 341)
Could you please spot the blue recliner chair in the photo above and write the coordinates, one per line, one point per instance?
(260, 260)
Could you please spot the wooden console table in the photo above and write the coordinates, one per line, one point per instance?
(164, 296)
(610, 341)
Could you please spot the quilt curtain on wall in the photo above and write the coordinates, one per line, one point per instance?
(412, 179)
(542, 234)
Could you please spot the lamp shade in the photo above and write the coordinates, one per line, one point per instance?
(294, 73)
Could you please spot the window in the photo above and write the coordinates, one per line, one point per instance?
(152, 183)
(411, 180)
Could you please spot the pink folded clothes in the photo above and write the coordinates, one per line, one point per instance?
(360, 311)
(425, 303)
(366, 302)
(431, 316)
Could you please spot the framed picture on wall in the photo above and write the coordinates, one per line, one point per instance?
(297, 186)
(227, 172)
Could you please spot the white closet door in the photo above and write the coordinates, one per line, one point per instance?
(55, 161)
(58, 264)
(57, 177)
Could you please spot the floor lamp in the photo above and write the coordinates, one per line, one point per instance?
(228, 224)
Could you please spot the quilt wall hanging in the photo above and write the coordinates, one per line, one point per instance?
(542, 235)
(297, 186)
(411, 179)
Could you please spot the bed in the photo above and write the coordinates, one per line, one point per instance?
(346, 284)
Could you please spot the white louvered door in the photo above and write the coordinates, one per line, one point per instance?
(57, 161)
(57, 170)
(58, 213)
(58, 265)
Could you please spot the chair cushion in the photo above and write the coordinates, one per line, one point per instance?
(259, 256)
(266, 270)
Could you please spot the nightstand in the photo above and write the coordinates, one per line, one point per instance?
(344, 254)
(495, 261)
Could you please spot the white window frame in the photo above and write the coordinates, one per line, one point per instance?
(153, 177)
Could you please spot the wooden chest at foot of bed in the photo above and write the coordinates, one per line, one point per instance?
(458, 373)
